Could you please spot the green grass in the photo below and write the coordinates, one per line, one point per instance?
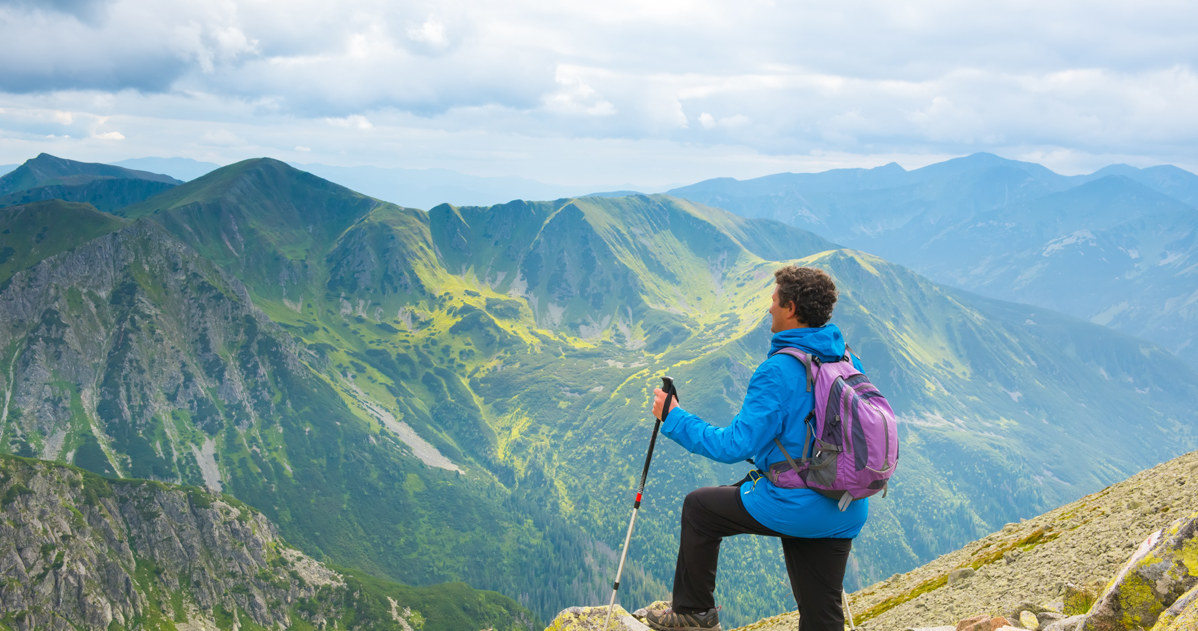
(34, 232)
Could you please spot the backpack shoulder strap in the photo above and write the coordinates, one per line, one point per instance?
(809, 362)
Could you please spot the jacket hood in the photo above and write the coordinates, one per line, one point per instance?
(825, 342)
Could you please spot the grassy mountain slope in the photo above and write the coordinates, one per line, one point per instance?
(408, 393)
(1115, 247)
(131, 355)
(30, 233)
(997, 400)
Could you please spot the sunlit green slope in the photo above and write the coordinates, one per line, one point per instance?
(410, 392)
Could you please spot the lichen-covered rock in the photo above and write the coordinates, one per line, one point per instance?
(1182, 615)
(1161, 571)
(593, 619)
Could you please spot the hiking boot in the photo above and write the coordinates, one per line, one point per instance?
(669, 620)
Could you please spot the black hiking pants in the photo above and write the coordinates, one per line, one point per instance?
(815, 566)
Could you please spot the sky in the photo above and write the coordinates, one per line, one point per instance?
(614, 94)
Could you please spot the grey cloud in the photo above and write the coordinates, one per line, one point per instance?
(84, 10)
(30, 63)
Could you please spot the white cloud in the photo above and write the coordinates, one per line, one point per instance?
(575, 96)
(356, 121)
(431, 33)
(792, 83)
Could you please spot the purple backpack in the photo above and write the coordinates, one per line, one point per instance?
(854, 432)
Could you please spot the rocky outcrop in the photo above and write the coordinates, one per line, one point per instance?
(101, 358)
(80, 551)
(594, 619)
(1182, 615)
(1161, 572)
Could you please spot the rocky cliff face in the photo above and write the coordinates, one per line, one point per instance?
(81, 551)
(135, 333)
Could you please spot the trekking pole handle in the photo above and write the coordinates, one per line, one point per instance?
(667, 385)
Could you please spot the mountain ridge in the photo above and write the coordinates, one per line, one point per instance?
(46, 169)
(383, 386)
(106, 187)
(1116, 247)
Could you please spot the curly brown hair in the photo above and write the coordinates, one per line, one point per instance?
(811, 291)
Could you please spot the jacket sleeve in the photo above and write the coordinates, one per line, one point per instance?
(757, 423)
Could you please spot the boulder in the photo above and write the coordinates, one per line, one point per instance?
(1182, 615)
(1162, 571)
(593, 618)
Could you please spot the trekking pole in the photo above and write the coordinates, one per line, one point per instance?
(848, 612)
(667, 384)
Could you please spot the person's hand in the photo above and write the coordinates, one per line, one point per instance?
(659, 400)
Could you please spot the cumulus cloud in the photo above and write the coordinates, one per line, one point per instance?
(431, 35)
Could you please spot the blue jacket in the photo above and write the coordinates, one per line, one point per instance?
(775, 405)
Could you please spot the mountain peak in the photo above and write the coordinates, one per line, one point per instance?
(106, 187)
(47, 170)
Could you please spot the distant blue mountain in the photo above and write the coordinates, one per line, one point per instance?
(1117, 247)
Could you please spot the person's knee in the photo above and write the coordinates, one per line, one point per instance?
(691, 504)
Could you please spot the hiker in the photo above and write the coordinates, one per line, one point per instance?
(816, 534)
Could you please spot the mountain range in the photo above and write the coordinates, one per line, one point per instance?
(1118, 247)
(460, 394)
